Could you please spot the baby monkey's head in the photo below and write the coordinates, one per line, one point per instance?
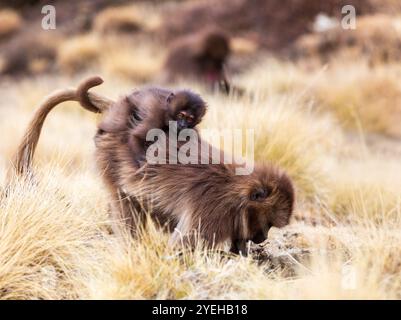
(185, 107)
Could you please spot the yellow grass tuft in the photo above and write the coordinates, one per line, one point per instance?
(10, 22)
(361, 96)
(243, 46)
(366, 188)
(52, 235)
(126, 19)
(131, 61)
(79, 53)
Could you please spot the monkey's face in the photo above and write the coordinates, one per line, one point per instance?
(186, 108)
(270, 203)
(218, 54)
(185, 119)
(216, 46)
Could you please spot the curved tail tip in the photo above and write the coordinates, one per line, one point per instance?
(96, 80)
(88, 83)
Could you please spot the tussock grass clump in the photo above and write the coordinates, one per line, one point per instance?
(130, 61)
(31, 53)
(10, 22)
(126, 19)
(270, 76)
(52, 238)
(344, 263)
(151, 269)
(78, 53)
(361, 96)
(125, 60)
(366, 188)
(54, 232)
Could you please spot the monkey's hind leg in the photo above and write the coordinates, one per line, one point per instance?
(128, 215)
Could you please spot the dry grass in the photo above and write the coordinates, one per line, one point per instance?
(124, 59)
(131, 61)
(376, 38)
(376, 195)
(54, 239)
(51, 239)
(127, 19)
(10, 22)
(362, 96)
(79, 52)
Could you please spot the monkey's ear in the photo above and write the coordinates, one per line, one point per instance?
(170, 97)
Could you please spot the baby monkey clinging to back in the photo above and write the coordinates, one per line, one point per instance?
(152, 108)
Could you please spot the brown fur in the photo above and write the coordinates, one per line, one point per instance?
(199, 57)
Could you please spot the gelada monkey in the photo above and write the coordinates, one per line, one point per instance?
(209, 199)
(121, 142)
(152, 108)
(201, 57)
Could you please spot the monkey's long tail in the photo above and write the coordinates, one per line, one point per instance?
(23, 158)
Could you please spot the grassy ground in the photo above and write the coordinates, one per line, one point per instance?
(55, 240)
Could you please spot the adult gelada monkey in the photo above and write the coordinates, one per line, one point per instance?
(201, 57)
(208, 198)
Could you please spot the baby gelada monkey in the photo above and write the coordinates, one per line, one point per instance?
(152, 108)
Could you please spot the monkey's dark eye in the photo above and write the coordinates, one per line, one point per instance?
(180, 115)
(260, 194)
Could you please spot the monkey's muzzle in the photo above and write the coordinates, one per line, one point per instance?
(259, 237)
(182, 124)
